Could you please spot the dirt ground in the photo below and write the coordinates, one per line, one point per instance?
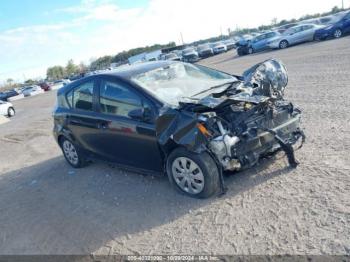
(46, 207)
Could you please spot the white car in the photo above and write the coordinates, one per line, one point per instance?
(32, 90)
(219, 47)
(6, 109)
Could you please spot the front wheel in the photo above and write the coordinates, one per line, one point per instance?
(337, 33)
(11, 112)
(195, 175)
(72, 154)
(250, 50)
(283, 44)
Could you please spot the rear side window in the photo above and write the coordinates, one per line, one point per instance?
(118, 100)
(81, 97)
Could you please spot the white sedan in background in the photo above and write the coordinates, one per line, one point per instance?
(6, 109)
(32, 90)
(294, 35)
(219, 47)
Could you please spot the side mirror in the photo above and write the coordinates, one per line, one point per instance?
(136, 114)
(140, 114)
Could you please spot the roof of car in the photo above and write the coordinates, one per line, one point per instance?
(129, 71)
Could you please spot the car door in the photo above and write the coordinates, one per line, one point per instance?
(259, 42)
(307, 33)
(123, 138)
(297, 35)
(81, 119)
(346, 24)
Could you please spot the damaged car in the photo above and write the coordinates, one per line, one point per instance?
(187, 121)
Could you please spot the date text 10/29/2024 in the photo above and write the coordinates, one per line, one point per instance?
(172, 258)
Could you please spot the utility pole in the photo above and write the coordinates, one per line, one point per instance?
(342, 4)
(182, 39)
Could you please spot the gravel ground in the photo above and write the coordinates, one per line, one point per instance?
(46, 207)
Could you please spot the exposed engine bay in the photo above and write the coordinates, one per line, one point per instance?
(240, 124)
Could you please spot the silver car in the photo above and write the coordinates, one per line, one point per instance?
(295, 35)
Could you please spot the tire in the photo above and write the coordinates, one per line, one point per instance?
(201, 182)
(250, 50)
(11, 112)
(72, 154)
(240, 52)
(337, 33)
(283, 44)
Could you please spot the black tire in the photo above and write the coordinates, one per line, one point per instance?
(206, 165)
(80, 161)
(250, 50)
(11, 112)
(240, 52)
(283, 44)
(337, 33)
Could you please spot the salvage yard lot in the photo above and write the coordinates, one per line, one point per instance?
(46, 207)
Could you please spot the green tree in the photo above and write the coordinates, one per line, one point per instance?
(101, 63)
(29, 82)
(55, 73)
(71, 68)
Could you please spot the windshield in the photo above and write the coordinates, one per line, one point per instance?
(218, 44)
(170, 56)
(179, 80)
(339, 16)
(203, 47)
(187, 51)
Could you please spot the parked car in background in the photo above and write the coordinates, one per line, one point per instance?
(295, 35)
(59, 83)
(257, 44)
(32, 90)
(7, 109)
(244, 39)
(45, 86)
(205, 50)
(230, 44)
(340, 25)
(172, 57)
(7, 94)
(190, 55)
(219, 47)
(281, 29)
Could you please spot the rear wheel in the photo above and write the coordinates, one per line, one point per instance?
(283, 44)
(337, 33)
(195, 175)
(71, 153)
(11, 112)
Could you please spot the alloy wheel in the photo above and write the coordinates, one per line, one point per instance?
(337, 33)
(283, 44)
(188, 175)
(70, 152)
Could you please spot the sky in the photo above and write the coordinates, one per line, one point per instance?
(36, 34)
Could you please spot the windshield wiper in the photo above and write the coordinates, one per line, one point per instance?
(214, 87)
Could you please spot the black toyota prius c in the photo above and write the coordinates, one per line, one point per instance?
(187, 121)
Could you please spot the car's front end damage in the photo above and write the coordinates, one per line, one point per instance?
(237, 125)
